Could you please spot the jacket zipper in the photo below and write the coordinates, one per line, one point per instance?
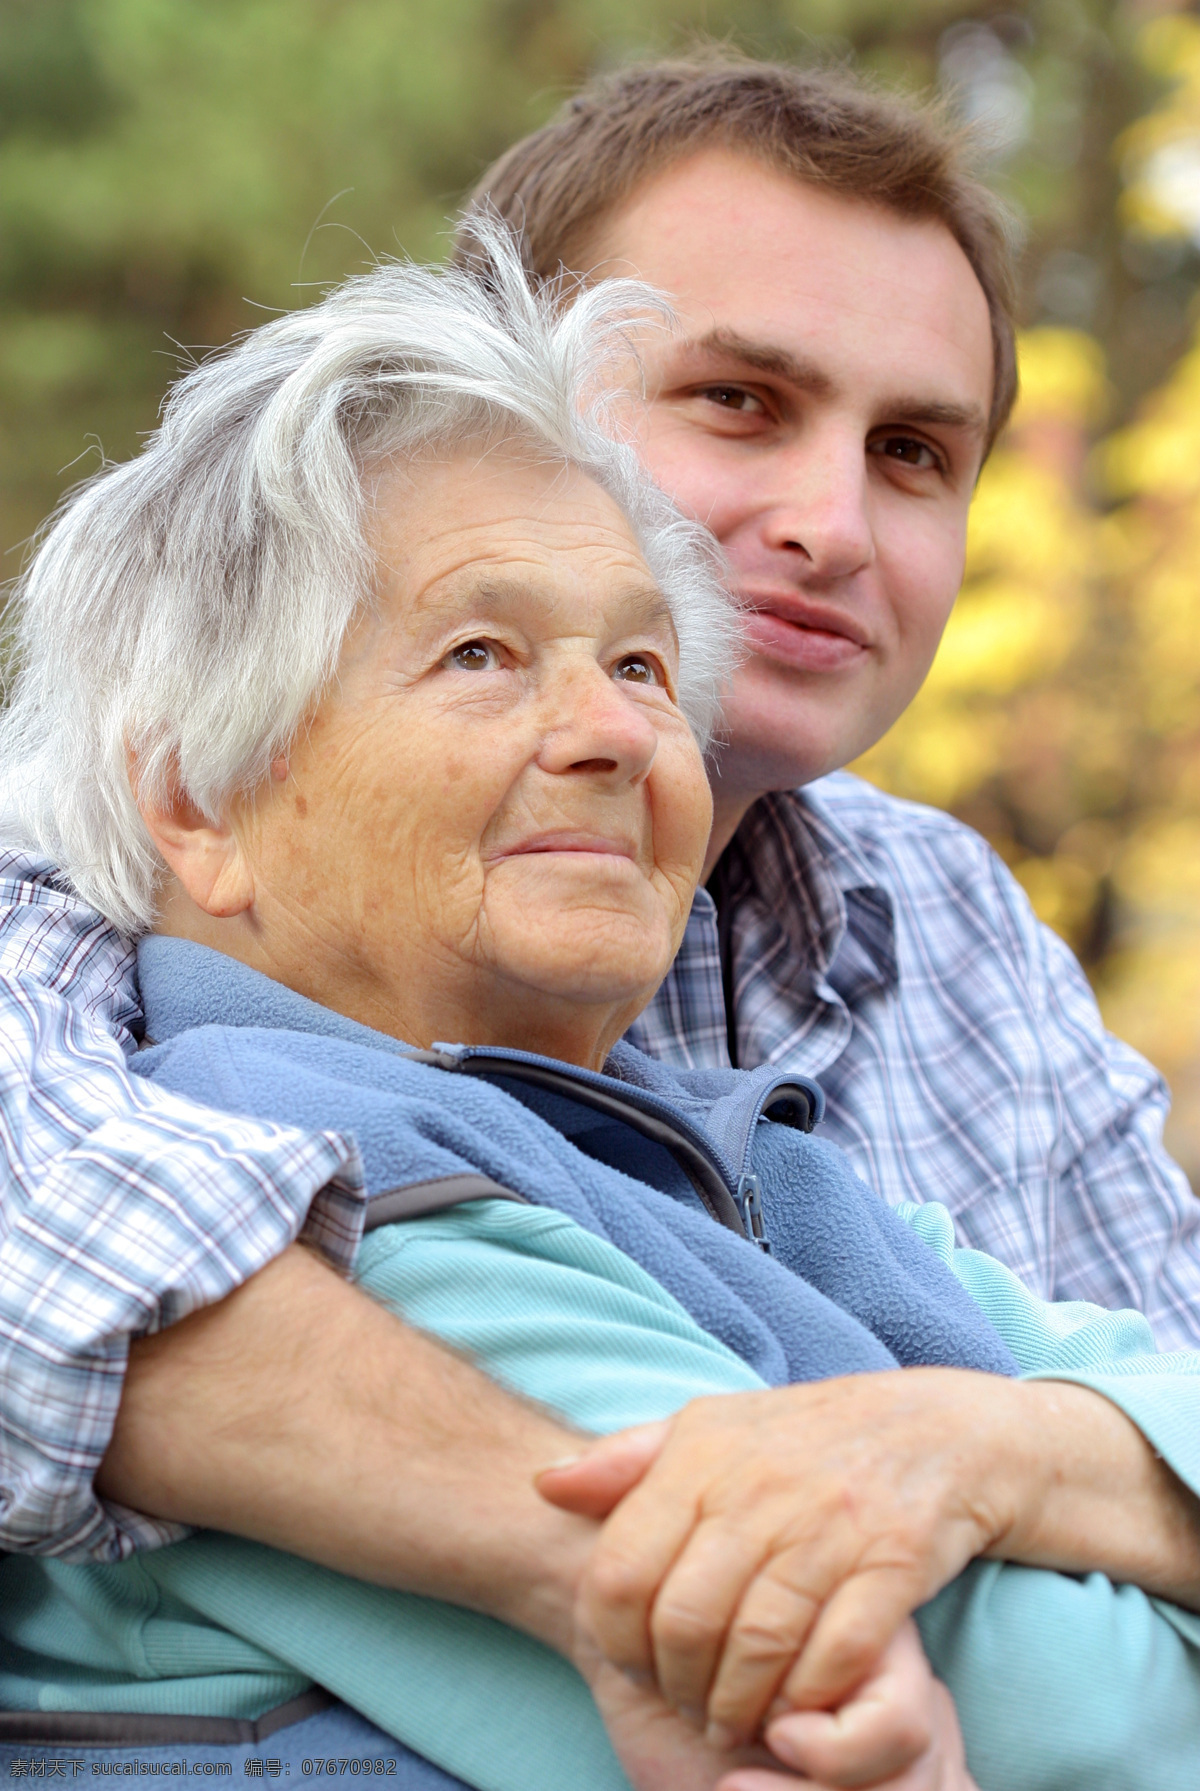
(690, 1149)
(735, 1204)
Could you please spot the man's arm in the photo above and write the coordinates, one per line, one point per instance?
(122, 1209)
(301, 1413)
(148, 1209)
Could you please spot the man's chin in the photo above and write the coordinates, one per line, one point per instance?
(780, 731)
(753, 765)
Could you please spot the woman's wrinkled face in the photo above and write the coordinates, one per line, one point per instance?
(492, 827)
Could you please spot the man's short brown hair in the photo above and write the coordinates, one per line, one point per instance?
(826, 127)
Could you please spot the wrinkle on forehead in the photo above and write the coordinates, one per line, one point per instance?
(503, 562)
(642, 605)
(451, 516)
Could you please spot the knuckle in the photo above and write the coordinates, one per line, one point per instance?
(795, 1580)
(617, 1582)
(681, 1629)
(854, 1650)
(761, 1640)
(699, 1416)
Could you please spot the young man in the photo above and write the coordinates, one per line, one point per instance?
(845, 361)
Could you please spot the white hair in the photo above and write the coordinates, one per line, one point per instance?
(189, 607)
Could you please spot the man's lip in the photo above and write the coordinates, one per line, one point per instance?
(802, 612)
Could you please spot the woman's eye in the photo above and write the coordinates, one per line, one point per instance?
(636, 669)
(473, 656)
(907, 450)
(734, 398)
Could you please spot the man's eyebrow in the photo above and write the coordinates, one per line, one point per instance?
(765, 357)
(970, 418)
(807, 376)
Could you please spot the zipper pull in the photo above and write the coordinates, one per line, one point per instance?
(442, 1057)
(749, 1199)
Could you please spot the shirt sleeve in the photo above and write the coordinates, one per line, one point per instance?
(1125, 1226)
(122, 1209)
(1112, 1352)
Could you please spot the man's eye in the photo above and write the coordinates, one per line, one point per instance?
(635, 668)
(472, 656)
(734, 398)
(907, 450)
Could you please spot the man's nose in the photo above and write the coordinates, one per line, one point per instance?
(595, 727)
(818, 508)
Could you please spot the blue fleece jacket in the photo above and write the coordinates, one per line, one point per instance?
(847, 1289)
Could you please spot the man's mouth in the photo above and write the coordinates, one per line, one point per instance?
(797, 632)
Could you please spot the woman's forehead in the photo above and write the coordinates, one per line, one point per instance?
(502, 531)
(506, 485)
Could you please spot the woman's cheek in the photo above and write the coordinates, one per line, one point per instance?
(682, 803)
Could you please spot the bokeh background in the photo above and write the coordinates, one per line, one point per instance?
(172, 171)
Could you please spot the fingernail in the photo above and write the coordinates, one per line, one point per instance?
(718, 1736)
(564, 1461)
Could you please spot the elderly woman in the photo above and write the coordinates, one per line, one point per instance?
(372, 696)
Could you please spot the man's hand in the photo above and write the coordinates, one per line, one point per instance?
(770, 1545)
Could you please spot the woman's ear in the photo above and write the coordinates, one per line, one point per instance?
(206, 858)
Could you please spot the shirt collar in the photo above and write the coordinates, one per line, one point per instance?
(819, 883)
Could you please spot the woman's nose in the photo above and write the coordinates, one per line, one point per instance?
(597, 728)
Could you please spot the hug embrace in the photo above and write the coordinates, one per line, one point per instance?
(556, 1238)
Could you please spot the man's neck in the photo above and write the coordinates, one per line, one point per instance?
(729, 809)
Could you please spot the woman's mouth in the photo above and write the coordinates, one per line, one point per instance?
(594, 845)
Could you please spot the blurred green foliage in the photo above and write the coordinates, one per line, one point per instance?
(171, 172)
(167, 167)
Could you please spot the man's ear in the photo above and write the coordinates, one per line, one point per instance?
(207, 859)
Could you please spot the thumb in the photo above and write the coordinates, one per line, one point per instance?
(592, 1483)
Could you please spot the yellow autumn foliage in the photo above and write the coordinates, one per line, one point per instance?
(1161, 151)
(1031, 558)
(1151, 985)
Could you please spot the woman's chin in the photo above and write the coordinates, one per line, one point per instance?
(588, 965)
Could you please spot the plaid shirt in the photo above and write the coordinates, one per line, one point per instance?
(884, 949)
(122, 1209)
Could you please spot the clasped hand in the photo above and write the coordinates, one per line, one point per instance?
(760, 1552)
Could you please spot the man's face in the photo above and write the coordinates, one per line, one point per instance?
(824, 412)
